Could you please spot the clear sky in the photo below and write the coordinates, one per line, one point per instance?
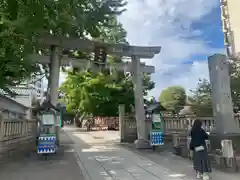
(187, 30)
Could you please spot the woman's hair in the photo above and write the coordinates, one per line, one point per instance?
(197, 125)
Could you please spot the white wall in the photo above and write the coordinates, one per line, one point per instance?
(234, 14)
(24, 100)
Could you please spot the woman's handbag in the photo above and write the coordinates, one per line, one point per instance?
(199, 148)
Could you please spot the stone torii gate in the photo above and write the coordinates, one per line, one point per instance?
(135, 67)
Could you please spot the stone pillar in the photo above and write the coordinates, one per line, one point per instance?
(1, 128)
(228, 159)
(54, 83)
(142, 141)
(221, 96)
(227, 149)
(121, 121)
(225, 124)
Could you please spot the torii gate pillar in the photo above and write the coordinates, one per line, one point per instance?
(54, 75)
(54, 83)
(142, 141)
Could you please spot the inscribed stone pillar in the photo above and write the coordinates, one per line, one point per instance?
(221, 94)
(225, 125)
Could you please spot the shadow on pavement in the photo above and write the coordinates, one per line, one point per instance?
(60, 166)
(175, 163)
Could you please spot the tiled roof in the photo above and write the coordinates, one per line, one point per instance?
(21, 91)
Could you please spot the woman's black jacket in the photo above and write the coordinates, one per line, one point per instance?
(198, 138)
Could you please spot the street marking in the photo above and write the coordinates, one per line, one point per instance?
(69, 151)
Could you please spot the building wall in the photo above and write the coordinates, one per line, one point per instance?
(234, 14)
(27, 91)
(231, 24)
(25, 97)
(36, 84)
(6, 104)
(26, 100)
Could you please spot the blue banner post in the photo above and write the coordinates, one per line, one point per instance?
(156, 134)
(47, 144)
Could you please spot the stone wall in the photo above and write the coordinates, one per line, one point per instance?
(172, 125)
(176, 131)
(130, 129)
(17, 137)
(225, 157)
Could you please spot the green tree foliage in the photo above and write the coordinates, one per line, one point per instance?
(23, 21)
(149, 101)
(173, 98)
(200, 100)
(95, 93)
(235, 83)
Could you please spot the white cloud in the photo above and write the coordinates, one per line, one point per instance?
(169, 23)
(185, 75)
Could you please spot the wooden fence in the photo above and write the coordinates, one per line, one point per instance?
(104, 123)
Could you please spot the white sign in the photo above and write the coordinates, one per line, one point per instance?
(156, 118)
(48, 119)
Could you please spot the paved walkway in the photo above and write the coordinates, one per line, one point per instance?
(62, 166)
(100, 158)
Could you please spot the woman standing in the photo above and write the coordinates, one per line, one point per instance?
(201, 160)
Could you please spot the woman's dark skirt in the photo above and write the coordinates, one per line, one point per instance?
(201, 162)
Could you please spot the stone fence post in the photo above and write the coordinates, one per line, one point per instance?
(122, 122)
(229, 160)
(1, 128)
